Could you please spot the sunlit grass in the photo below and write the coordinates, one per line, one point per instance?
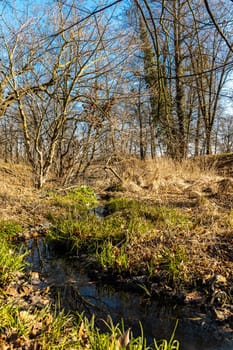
(158, 215)
(11, 257)
(172, 264)
(82, 198)
(51, 330)
(9, 229)
(110, 256)
(171, 344)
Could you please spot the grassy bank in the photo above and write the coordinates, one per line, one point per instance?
(169, 222)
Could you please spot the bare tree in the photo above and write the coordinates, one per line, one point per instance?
(76, 85)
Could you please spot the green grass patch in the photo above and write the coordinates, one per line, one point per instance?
(171, 344)
(117, 337)
(9, 229)
(11, 256)
(106, 239)
(124, 216)
(90, 235)
(80, 199)
(110, 256)
(172, 263)
(10, 263)
(157, 215)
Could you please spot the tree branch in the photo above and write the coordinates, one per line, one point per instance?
(86, 17)
(216, 25)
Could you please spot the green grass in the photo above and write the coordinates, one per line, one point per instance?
(171, 344)
(126, 218)
(110, 256)
(50, 329)
(11, 256)
(117, 337)
(78, 198)
(57, 331)
(172, 264)
(9, 229)
(107, 239)
(158, 215)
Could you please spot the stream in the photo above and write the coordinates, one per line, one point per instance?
(77, 292)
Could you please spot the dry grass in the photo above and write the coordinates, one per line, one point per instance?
(161, 180)
(18, 197)
(165, 178)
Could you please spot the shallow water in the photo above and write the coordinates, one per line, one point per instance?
(77, 292)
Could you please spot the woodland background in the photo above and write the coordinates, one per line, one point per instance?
(84, 82)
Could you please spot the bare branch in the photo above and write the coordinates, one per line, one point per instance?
(85, 18)
(216, 25)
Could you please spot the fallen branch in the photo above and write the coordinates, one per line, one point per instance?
(114, 172)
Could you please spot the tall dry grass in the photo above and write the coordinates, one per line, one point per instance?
(162, 174)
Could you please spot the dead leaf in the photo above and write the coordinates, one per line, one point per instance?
(123, 340)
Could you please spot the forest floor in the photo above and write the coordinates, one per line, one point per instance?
(202, 189)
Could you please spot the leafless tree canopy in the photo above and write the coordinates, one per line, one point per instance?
(80, 83)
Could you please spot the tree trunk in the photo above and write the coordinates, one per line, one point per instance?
(181, 137)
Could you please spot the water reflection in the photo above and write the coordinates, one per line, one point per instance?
(78, 293)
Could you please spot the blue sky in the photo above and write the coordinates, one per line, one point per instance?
(25, 6)
(24, 9)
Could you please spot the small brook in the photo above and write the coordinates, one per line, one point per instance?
(77, 292)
